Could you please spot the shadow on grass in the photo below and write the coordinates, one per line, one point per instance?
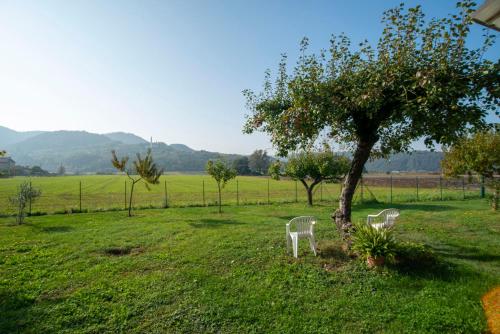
(57, 229)
(213, 223)
(406, 206)
(431, 264)
(465, 253)
(15, 308)
(51, 229)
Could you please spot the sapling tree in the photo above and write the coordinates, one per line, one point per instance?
(221, 173)
(144, 169)
(311, 168)
(420, 81)
(26, 194)
(479, 154)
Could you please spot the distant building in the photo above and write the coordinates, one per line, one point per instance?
(7, 166)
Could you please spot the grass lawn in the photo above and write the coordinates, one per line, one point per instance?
(108, 191)
(193, 270)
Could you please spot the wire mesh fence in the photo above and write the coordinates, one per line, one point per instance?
(101, 192)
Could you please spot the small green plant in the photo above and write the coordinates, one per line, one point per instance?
(26, 194)
(374, 244)
(144, 170)
(221, 173)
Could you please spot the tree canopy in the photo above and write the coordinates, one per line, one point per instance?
(479, 154)
(419, 81)
(259, 162)
(311, 168)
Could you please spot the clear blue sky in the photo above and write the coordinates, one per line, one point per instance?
(173, 70)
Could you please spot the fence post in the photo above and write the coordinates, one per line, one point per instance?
(296, 197)
(203, 191)
(463, 187)
(417, 187)
(441, 186)
(391, 188)
(125, 195)
(29, 213)
(166, 195)
(482, 193)
(80, 196)
(237, 193)
(268, 199)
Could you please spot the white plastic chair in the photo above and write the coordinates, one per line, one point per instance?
(304, 230)
(384, 219)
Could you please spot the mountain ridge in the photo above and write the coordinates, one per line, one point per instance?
(86, 152)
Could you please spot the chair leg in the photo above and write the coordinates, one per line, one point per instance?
(288, 241)
(295, 247)
(313, 244)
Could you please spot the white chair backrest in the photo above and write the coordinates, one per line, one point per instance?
(304, 224)
(390, 215)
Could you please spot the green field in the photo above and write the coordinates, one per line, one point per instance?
(191, 270)
(101, 192)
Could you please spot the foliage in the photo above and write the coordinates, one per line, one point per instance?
(372, 242)
(311, 168)
(479, 154)
(420, 81)
(221, 173)
(25, 196)
(2, 153)
(144, 170)
(241, 165)
(259, 162)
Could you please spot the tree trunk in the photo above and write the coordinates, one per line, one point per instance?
(309, 189)
(130, 199)
(342, 217)
(220, 199)
(309, 197)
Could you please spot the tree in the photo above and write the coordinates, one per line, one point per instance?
(311, 168)
(144, 170)
(2, 153)
(221, 173)
(241, 165)
(420, 81)
(259, 162)
(61, 170)
(478, 154)
(25, 194)
(38, 171)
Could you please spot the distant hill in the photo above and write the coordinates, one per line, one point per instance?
(126, 138)
(8, 136)
(85, 152)
(418, 161)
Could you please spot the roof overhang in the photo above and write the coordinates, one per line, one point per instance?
(488, 14)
